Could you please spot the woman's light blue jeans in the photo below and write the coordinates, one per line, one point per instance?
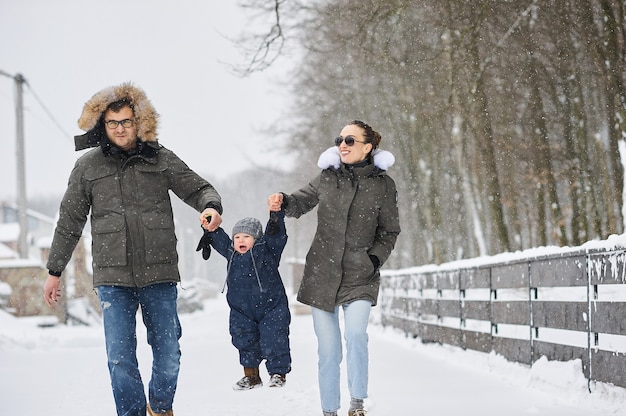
(158, 309)
(329, 349)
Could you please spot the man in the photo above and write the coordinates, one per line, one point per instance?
(125, 183)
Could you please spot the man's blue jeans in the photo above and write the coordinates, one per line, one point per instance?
(356, 316)
(158, 309)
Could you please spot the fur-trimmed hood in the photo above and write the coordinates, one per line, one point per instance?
(146, 116)
(331, 157)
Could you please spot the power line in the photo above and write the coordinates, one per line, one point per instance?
(43, 106)
(6, 74)
(54, 120)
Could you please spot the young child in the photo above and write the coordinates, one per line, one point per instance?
(259, 309)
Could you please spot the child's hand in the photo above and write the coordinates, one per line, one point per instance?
(275, 201)
(205, 245)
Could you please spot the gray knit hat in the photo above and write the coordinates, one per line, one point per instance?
(250, 226)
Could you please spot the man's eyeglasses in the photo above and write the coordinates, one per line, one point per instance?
(126, 123)
(348, 139)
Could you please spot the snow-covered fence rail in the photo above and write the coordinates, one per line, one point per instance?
(564, 306)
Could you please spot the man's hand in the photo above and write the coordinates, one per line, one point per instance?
(210, 219)
(51, 291)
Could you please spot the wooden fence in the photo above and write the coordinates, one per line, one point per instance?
(564, 306)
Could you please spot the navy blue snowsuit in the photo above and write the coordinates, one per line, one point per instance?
(259, 309)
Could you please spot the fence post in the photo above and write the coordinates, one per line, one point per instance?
(588, 275)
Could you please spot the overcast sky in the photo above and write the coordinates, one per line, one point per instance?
(67, 50)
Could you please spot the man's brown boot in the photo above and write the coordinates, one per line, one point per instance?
(166, 413)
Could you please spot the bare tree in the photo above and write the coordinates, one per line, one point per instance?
(504, 117)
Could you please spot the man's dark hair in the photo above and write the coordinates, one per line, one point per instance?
(116, 106)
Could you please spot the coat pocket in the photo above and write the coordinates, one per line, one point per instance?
(159, 239)
(109, 241)
(358, 269)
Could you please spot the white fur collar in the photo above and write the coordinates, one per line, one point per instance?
(330, 157)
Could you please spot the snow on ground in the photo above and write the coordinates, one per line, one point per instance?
(62, 371)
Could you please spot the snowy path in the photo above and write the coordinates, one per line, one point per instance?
(62, 371)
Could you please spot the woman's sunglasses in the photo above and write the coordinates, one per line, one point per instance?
(348, 139)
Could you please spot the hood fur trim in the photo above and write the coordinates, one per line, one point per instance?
(146, 116)
(331, 157)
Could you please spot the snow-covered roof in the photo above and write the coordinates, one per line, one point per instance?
(45, 242)
(9, 231)
(17, 263)
(7, 253)
(31, 213)
(5, 289)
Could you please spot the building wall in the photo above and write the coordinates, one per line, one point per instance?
(27, 277)
(27, 292)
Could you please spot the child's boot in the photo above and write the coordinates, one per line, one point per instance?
(250, 380)
(277, 380)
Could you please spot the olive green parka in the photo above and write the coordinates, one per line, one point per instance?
(357, 217)
(127, 195)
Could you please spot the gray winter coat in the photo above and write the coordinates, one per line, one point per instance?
(357, 217)
(132, 225)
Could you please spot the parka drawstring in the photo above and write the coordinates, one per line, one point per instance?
(228, 263)
(256, 271)
(258, 279)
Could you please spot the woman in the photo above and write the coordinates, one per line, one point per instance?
(357, 227)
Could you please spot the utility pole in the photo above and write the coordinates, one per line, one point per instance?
(21, 169)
